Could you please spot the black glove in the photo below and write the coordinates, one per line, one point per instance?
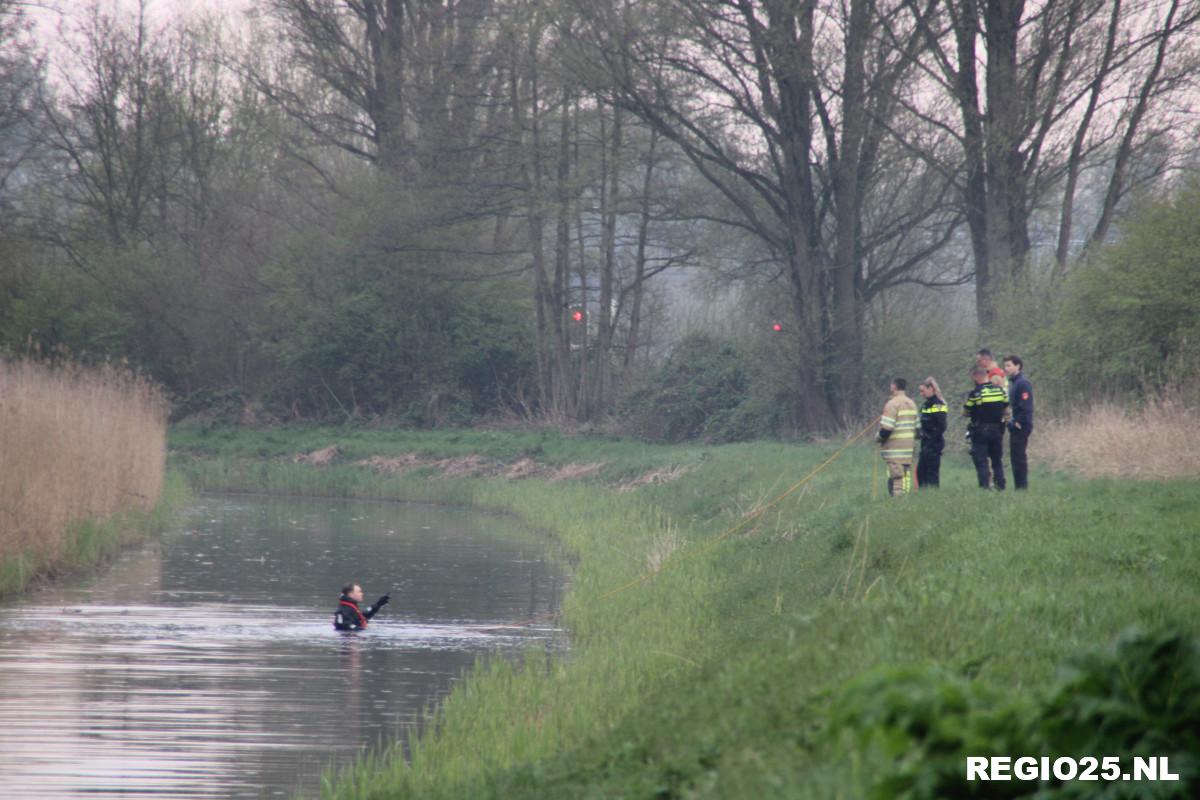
(383, 601)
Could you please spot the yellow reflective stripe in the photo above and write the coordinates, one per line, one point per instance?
(887, 423)
(934, 409)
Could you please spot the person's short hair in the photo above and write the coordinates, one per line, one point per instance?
(348, 588)
(900, 383)
(977, 371)
(984, 352)
(1016, 360)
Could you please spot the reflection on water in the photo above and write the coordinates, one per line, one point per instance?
(206, 665)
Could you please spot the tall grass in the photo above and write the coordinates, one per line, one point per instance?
(1159, 440)
(78, 445)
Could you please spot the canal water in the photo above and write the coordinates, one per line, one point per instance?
(206, 664)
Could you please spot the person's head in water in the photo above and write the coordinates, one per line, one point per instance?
(349, 615)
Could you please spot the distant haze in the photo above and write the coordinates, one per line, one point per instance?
(49, 15)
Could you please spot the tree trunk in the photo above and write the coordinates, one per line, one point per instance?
(566, 397)
(1006, 237)
(610, 196)
(847, 345)
(639, 277)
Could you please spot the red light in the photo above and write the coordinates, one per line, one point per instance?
(776, 327)
(577, 315)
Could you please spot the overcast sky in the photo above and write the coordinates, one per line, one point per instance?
(48, 14)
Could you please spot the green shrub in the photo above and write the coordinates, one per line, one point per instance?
(1130, 315)
(1140, 697)
(708, 388)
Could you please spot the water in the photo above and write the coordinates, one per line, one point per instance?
(206, 665)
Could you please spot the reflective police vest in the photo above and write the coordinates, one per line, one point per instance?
(986, 404)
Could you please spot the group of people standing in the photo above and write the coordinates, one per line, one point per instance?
(1002, 401)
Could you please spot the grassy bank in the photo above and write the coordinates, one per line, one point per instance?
(82, 466)
(841, 641)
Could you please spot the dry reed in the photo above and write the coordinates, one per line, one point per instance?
(1157, 442)
(76, 443)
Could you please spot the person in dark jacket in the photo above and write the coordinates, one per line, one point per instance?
(348, 616)
(985, 406)
(933, 434)
(1020, 397)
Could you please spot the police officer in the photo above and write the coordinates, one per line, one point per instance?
(348, 616)
(897, 433)
(985, 406)
(932, 433)
(1020, 393)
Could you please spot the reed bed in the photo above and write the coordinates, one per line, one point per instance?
(78, 445)
(1159, 441)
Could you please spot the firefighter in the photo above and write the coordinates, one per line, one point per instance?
(1021, 426)
(897, 433)
(932, 434)
(985, 406)
(348, 616)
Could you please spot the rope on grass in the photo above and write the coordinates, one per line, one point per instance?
(704, 548)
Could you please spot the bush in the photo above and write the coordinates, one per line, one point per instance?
(1138, 698)
(382, 337)
(708, 389)
(1130, 317)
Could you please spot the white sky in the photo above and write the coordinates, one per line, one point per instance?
(49, 14)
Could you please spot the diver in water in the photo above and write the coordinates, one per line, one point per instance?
(349, 617)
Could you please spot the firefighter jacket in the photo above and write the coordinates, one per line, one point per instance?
(898, 429)
(986, 404)
(933, 425)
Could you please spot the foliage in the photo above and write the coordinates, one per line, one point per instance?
(360, 332)
(709, 389)
(1130, 315)
(1139, 698)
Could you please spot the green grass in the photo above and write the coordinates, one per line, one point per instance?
(720, 677)
(90, 542)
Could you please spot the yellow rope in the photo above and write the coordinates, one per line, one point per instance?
(704, 548)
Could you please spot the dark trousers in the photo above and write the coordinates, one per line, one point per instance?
(987, 444)
(929, 467)
(1018, 440)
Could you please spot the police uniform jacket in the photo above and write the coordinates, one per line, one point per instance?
(985, 405)
(933, 425)
(1021, 392)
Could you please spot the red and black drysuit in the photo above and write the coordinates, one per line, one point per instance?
(349, 617)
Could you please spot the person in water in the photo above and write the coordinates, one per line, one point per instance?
(349, 617)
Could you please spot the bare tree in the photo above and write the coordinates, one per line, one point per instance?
(1037, 115)
(788, 122)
